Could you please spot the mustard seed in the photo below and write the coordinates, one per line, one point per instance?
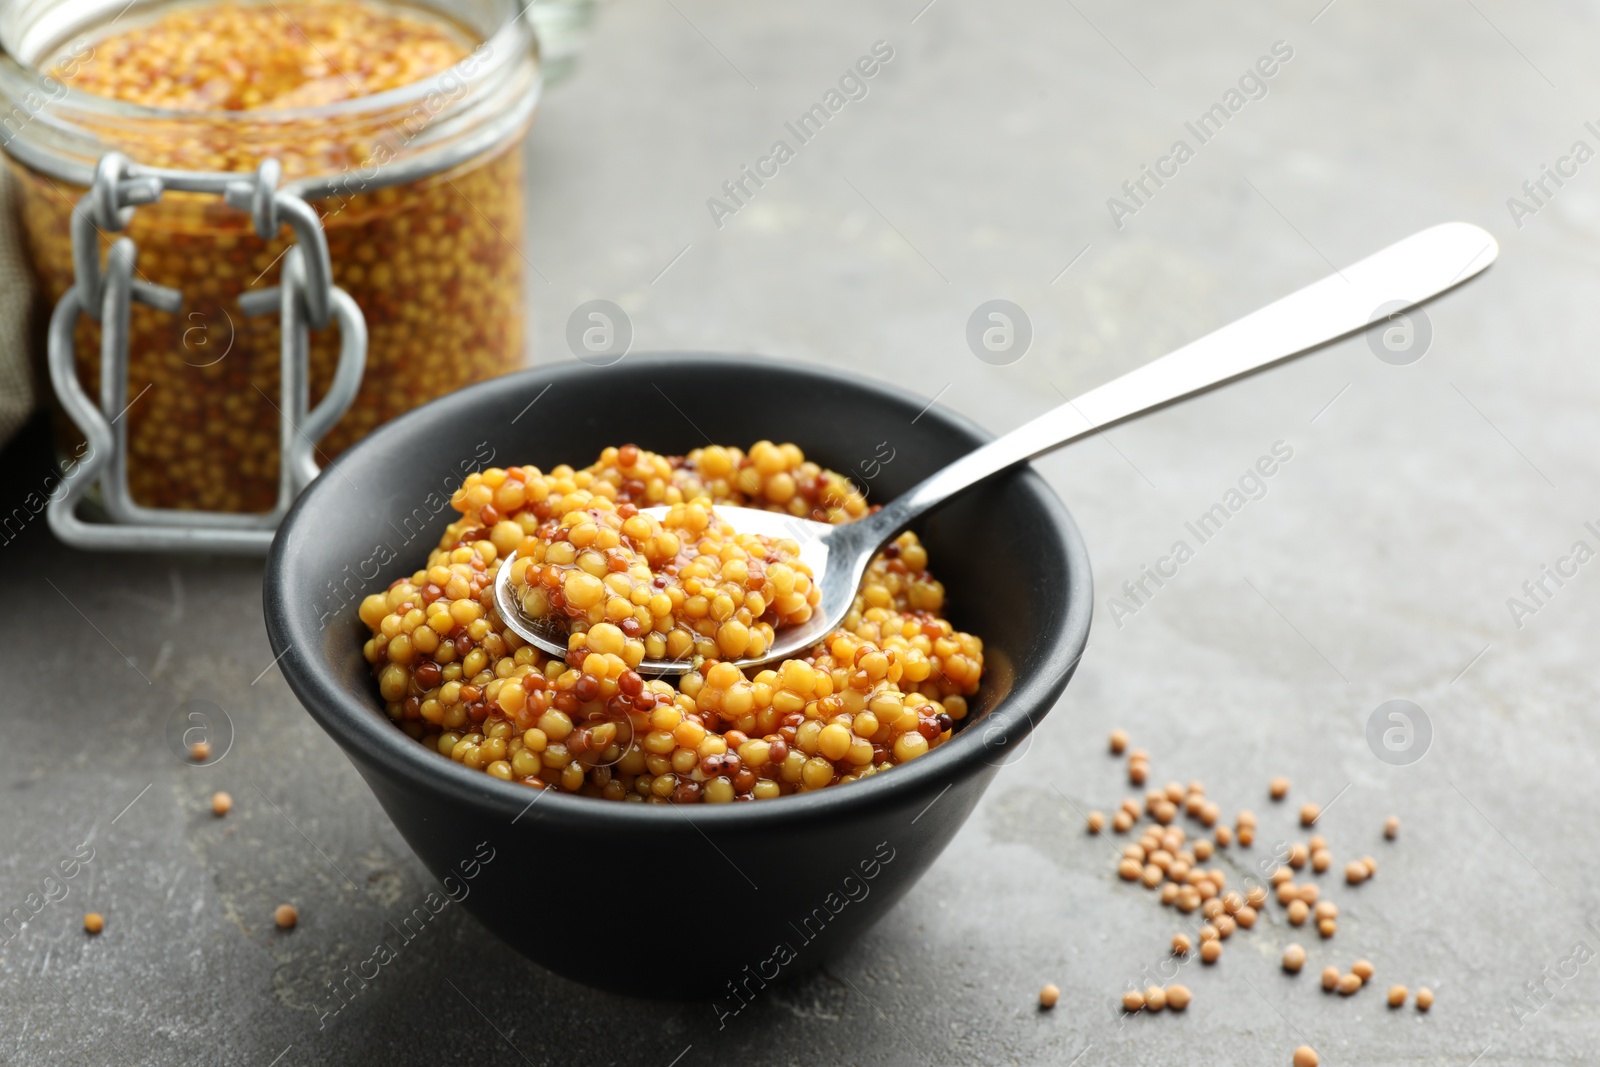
(1138, 755)
(1137, 773)
(1210, 951)
(1246, 917)
(1306, 1056)
(1131, 806)
(1129, 869)
(1308, 814)
(200, 751)
(1317, 841)
(1225, 926)
(1298, 855)
(1224, 837)
(1397, 995)
(1355, 872)
(221, 804)
(1246, 818)
(1122, 822)
(1371, 865)
(1298, 912)
(1164, 812)
(1178, 997)
(1174, 793)
(1169, 893)
(1207, 933)
(1391, 827)
(1232, 902)
(1132, 1001)
(1049, 995)
(1308, 893)
(1246, 836)
(1097, 821)
(1349, 984)
(1181, 944)
(286, 916)
(1321, 860)
(1330, 978)
(1326, 909)
(1278, 788)
(1256, 896)
(94, 922)
(1212, 908)
(1188, 898)
(1424, 998)
(1155, 998)
(1327, 927)
(1288, 892)
(1119, 742)
(1202, 848)
(1152, 876)
(1281, 874)
(1294, 958)
(1363, 970)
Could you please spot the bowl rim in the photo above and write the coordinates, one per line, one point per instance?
(367, 735)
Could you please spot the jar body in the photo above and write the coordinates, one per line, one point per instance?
(431, 262)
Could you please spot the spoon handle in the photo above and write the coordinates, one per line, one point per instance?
(1406, 273)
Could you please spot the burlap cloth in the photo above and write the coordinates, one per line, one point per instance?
(16, 299)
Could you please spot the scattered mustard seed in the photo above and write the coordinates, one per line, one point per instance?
(221, 804)
(1294, 958)
(1424, 998)
(1119, 742)
(94, 922)
(1181, 944)
(1355, 872)
(1097, 821)
(1049, 995)
(1155, 998)
(1321, 860)
(1330, 977)
(1397, 995)
(1391, 827)
(1363, 970)
(1349, 984)
(1210, 951)
(1278, 788)
(1298, 910)
(1306, 1056)
(1309, 814)
(1132, 1000)
(1178, 997)
(285, 916)
(200, 751)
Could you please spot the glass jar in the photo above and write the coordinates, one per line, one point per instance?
(420, 192)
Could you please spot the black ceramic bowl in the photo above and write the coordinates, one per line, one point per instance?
(586, 887)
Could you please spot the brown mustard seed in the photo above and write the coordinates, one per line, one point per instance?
(1298, 910)
(1397, 995)
(1278, 788)
(1391, 827)
(200, 751)
(1355, 872)
(1155, 998)
(94, 922)
(1349, 984)
(1363, 970)
(221, 803)
(1178, 997)
(1424, 998)
(1181, 944)
(1330, 978)
(1210, 951)
(1308, 814)
(1246, 917)
(286, 916)
(1294, 958)
(1119, 742)
(1132, 1001)
(1321, 860)
(1306, 1056)
(1049, 995)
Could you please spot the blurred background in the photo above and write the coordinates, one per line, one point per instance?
(1432, 474)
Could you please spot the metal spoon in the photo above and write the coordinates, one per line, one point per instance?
(1377, 288)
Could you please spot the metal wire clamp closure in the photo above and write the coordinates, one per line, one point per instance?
(305, 298)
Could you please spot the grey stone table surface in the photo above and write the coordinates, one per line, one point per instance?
(1384, 559)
